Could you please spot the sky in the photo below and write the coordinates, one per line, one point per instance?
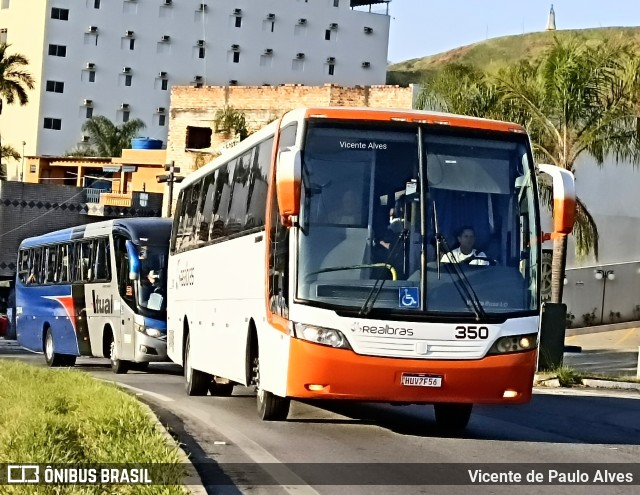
(426, 27)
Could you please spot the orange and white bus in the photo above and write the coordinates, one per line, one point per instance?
(317, 260)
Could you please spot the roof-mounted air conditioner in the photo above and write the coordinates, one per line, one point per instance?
(299, 55)
(162, 75)
(87, 103)
(92, 29)
(333, 25)
(126, 70)
(165, 38)
(128, 34)
(331, 60)
(90, 66)
(124, 106)
(268, 51)
(202, 7)
(168, 2)
(200, 43)
(302, 21)
(233, 82)
(271, 17)
(235, 48)
(197, 78)
(160, 110)
(368, 30)
(366, 65)
(84, 138)
(237, 11)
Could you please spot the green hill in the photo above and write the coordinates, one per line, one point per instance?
(492, 54)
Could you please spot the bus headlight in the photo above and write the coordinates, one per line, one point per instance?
(514, 343)
(321, 335)
(151, 332)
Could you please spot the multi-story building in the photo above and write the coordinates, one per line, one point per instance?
(119, 58)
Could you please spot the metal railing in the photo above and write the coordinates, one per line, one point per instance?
(115, 199)
(93, 194)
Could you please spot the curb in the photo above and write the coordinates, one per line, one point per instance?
(553, 382)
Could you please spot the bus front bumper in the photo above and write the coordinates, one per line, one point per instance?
(321, 372)
(150, 349)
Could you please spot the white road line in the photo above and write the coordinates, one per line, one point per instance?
(259, 455)
(587, 393)
(140, 391)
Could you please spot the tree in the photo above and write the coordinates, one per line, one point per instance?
(229, 120)
(7, 152)
(14, 79)
(578, 98)
(108, 139)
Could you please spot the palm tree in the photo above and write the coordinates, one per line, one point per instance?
(576, 99)
(14, 80)
(7, 152)
(108, 139)
(228, 120)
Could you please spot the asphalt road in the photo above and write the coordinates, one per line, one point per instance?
(388, 446)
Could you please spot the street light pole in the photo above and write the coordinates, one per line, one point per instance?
(170, 178)
(604, 275)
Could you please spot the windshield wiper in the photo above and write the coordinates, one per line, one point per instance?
(375, 290)
(460, 280)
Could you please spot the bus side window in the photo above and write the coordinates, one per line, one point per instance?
(258, 185)
(101, 260)
(23, 265)
(63, 266)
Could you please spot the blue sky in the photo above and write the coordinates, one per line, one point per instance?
(426, 27)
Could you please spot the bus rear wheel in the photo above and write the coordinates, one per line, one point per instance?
(118, 366)
(452, 418)
(53, 358)
(271, 407)
(195, 382)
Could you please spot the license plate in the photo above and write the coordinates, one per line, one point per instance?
(421, 380)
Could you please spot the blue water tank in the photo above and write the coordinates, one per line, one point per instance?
(145, 143)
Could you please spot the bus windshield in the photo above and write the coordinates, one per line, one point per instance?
(152, 284)
(410, 219)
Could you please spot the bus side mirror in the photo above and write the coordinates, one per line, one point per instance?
(134, 261)
(288, 176)
(564, 198)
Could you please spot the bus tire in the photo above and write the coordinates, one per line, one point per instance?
(271, 407)
(52, 358)
(195, 382)
(452, 418)
(118, 366)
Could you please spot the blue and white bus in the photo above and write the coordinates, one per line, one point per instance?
(95, 290)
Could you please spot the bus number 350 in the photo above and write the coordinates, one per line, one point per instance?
(471, 332)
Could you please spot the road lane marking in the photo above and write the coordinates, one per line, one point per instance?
(587, 393)
(140, 391)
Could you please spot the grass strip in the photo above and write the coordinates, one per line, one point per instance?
(67, 417)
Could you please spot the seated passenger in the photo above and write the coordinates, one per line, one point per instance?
(465, 253)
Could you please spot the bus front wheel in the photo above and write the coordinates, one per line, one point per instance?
(452, 418)
(195, 382)
(271, 407)
(118, 366)
(53, 358)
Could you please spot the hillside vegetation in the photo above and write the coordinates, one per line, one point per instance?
(492, 54)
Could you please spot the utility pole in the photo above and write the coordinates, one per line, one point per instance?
(170, 178)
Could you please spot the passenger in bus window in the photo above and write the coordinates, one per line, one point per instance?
(465, 253)
(349, 210)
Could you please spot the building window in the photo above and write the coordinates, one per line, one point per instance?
(58, 50)
(125, 116)
(238, 21)
(198, 137)
(5, 4)
(92, 76)
(60, 14)
(96, 4)
(132, 43)
(236, 57)
(89, 113)
(127, 79)
(55, 86)
(162, 119)
(201, 52)
(165, 84)
(332, 69)
(3, 35)
(327, 34)
(55, 124)
(336, 3)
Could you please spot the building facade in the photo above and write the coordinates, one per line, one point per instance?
(119, 58)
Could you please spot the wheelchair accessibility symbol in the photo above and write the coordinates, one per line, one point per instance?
(409, 297)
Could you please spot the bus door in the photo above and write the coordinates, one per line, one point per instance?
(125, 262)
